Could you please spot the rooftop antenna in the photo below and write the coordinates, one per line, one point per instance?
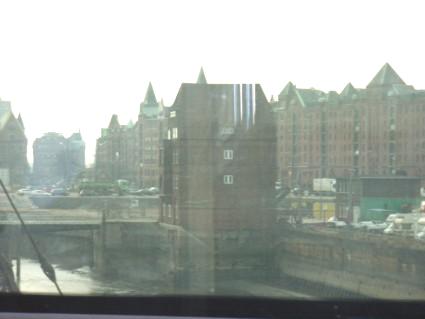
(47, 268)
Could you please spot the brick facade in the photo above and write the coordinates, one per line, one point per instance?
(131, 151)
(13, 146)
(218, 160)
(376, 131)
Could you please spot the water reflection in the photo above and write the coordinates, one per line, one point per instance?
(77, 281)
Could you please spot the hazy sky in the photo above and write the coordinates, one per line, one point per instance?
(69, 65)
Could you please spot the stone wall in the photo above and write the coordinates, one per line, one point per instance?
(372, 265)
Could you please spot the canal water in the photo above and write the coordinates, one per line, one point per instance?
(79, 281)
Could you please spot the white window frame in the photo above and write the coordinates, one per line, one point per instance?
(228, 179)
(175, 133)
(228, 154)
(227, 130)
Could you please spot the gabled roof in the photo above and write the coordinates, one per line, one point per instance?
(114, 122)
(5, 117)
(308, 97)
(348, 91)
(201, 77)
(150, 98)
(20, 120)
(76, 136)
(385, 77)
(4, 108)
(332, 96)
(398, 89)
(130, 124)
(287, 90)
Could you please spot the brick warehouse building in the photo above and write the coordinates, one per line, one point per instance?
(218, 172)
(379, 130)
(150, 129)
(131, 151)
(13, 145)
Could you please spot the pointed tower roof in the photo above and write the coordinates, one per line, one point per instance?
(150, 98)
(385, 77)
(150, 106)
(114, 122)
(287, 90)
(201, 77)
(76, 136)
(20, 120)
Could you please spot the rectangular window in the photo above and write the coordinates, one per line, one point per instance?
(169, 211)
(228, 179)
(175, 157)
(227, 130)
(173, 114)
(176, 182)
(175, 133)
(228, 154)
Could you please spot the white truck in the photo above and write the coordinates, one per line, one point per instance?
(410, 225)
(420, 229)
(324, 185)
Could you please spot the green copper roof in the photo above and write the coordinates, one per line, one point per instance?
(20, 120)
(150, 106)
(348, 90)
(114, 122)
(385, 77)
(4, 119)
(201, 77)
(4, 108)
(150, 98)
(308, 97)
(287, 90)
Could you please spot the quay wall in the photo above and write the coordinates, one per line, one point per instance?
(372, 265)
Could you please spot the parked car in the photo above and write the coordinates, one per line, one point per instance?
(24, 191)
(39, 192)
(361, 225)
(154, 190)
(145, 191)
(377, 227)
(59, 192)
(370, 225)
(335, 223)
(87, 192)
(139, 192)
